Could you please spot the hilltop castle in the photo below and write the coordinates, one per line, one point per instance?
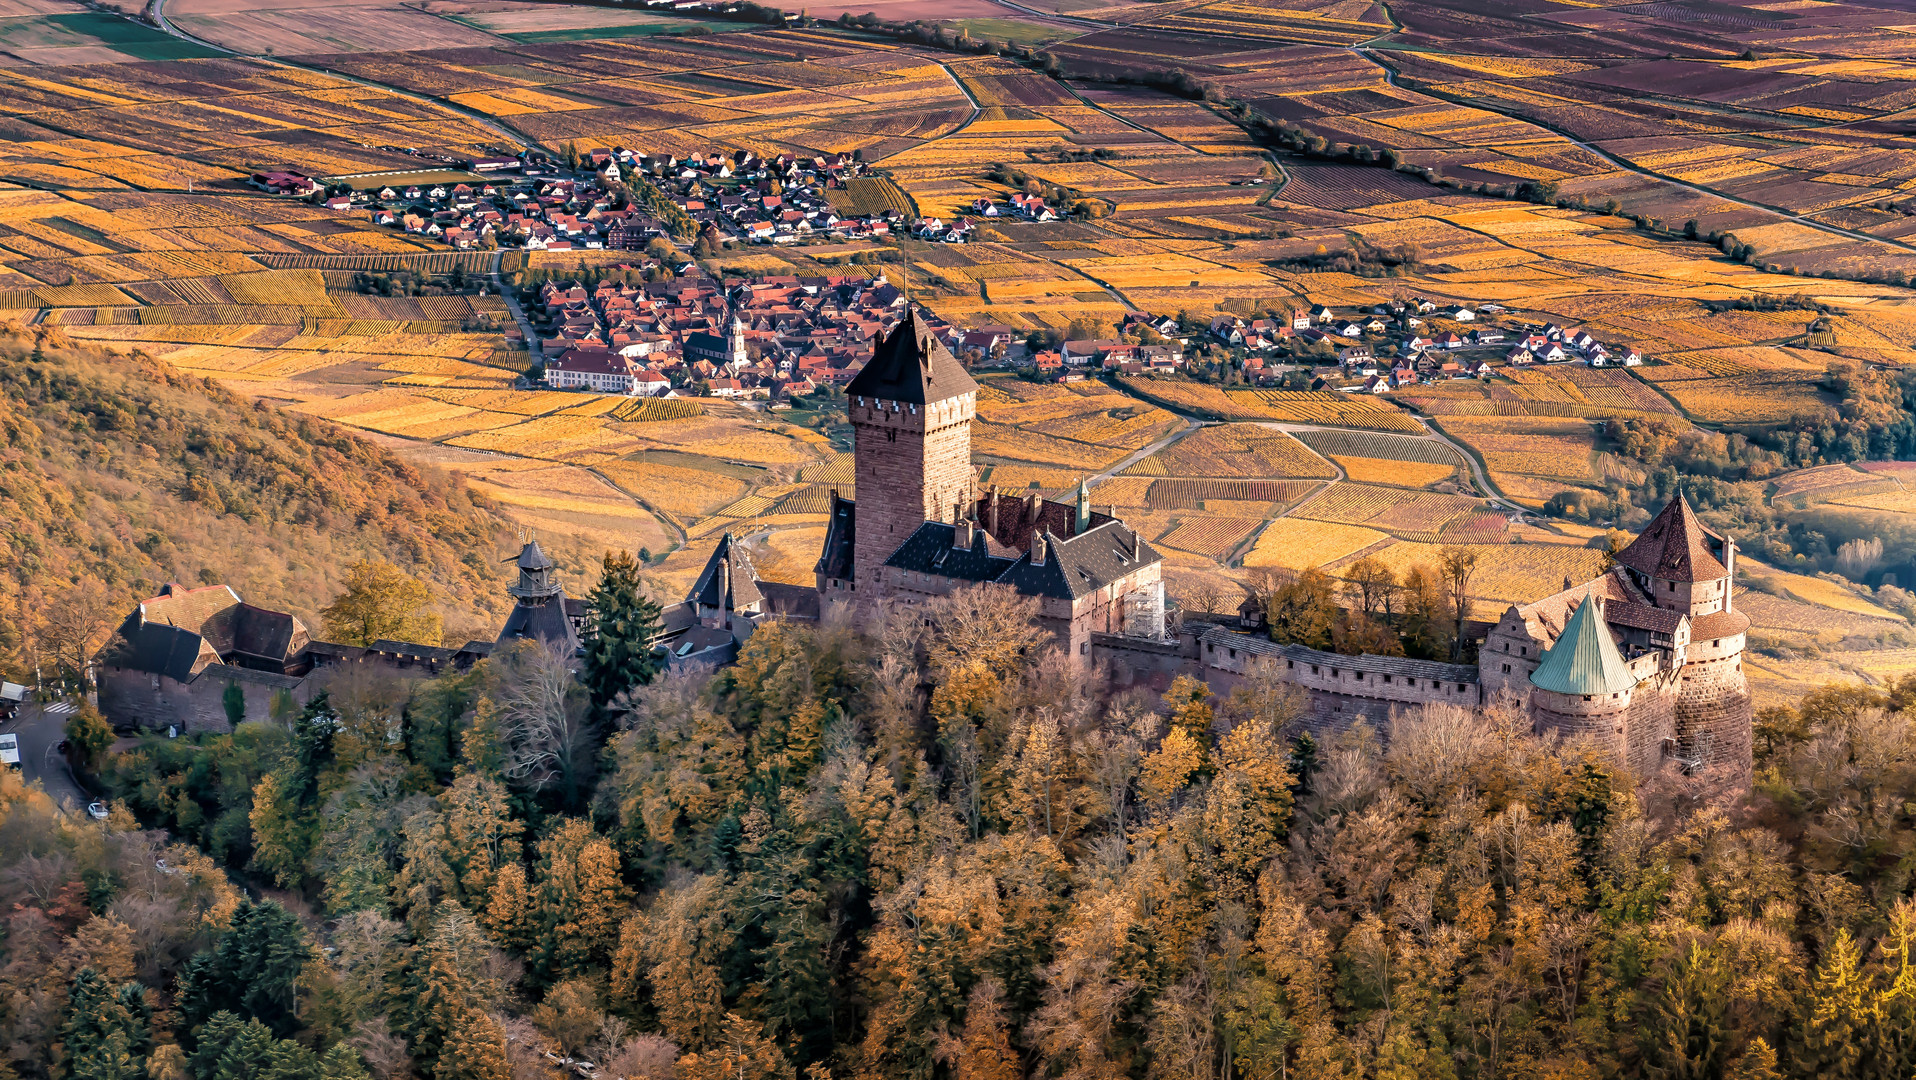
(1646, 658)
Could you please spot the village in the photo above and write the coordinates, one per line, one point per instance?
(771, 337)
(683, 332)
(616, 200)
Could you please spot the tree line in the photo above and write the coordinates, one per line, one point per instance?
(932, 846)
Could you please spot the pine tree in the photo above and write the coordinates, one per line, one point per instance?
(246, 1055)
(481, 832)
(984, 1051)
(252, 971)
(1757, 1062)
(508, 913)
(105, 1033)
(580, 900)
(342, 1062)
(289, 1060)
(475, 1049)
(1687, 1032)
(740, 1052)
(1248, 807)
(212, 1038)
(1828, 1040)
(619, 652)
(440, 1006)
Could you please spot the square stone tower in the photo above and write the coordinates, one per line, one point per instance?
(911, 409)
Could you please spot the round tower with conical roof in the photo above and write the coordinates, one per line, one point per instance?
(1583, 688)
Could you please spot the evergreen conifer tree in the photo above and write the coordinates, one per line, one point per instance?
(105, 1034)
(252, 971)
(619, 654)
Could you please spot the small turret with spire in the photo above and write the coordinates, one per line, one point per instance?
(538, 580)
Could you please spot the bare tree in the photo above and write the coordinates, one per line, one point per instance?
(1459, 566)
(543, 717)
(80, 618)
(387, 1056)
(1372, 584)
(987, 624)
(1202, 595)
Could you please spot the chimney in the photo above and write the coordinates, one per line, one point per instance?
(1031, 509)
(1729, 564)
(725, 583)
(994, 510)
(1038, 547)
(961, 532)
(1084, 509)
(1137, 546)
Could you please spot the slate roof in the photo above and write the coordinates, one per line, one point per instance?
(929, 550)
(532, 557)
(1584, 659)
(172, 651)
(911, 367)
(255, 631)
(1675, 546)
(841, 530)
(791, 601)
(744, 579)
(541, 619)
(1643, 617)
(1546, 618)
(1082, 564)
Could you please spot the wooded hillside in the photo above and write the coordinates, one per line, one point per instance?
(119, 473)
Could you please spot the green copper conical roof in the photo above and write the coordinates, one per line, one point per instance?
(1585, 659)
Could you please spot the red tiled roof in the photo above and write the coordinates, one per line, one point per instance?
(1674, 547)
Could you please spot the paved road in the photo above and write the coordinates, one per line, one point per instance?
(511, 297)
(977, 110)
(41, 727)
(1190, 425)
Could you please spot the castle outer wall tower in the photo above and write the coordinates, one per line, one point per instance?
(911, 409)
(1690, 571)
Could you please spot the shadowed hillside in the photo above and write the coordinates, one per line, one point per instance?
(120, 473)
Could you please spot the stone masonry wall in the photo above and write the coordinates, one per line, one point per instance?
(1714, 719)
(138, 699)
(911, 466)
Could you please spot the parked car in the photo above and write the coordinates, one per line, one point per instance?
(96, 811)
(10, 750)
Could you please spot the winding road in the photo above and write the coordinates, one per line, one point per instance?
(511, 298)
(41, 727)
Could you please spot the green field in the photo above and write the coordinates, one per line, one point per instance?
(93, 29)
(1013, 31)
(652, 29)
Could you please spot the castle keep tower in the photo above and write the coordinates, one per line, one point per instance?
(911, 410)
